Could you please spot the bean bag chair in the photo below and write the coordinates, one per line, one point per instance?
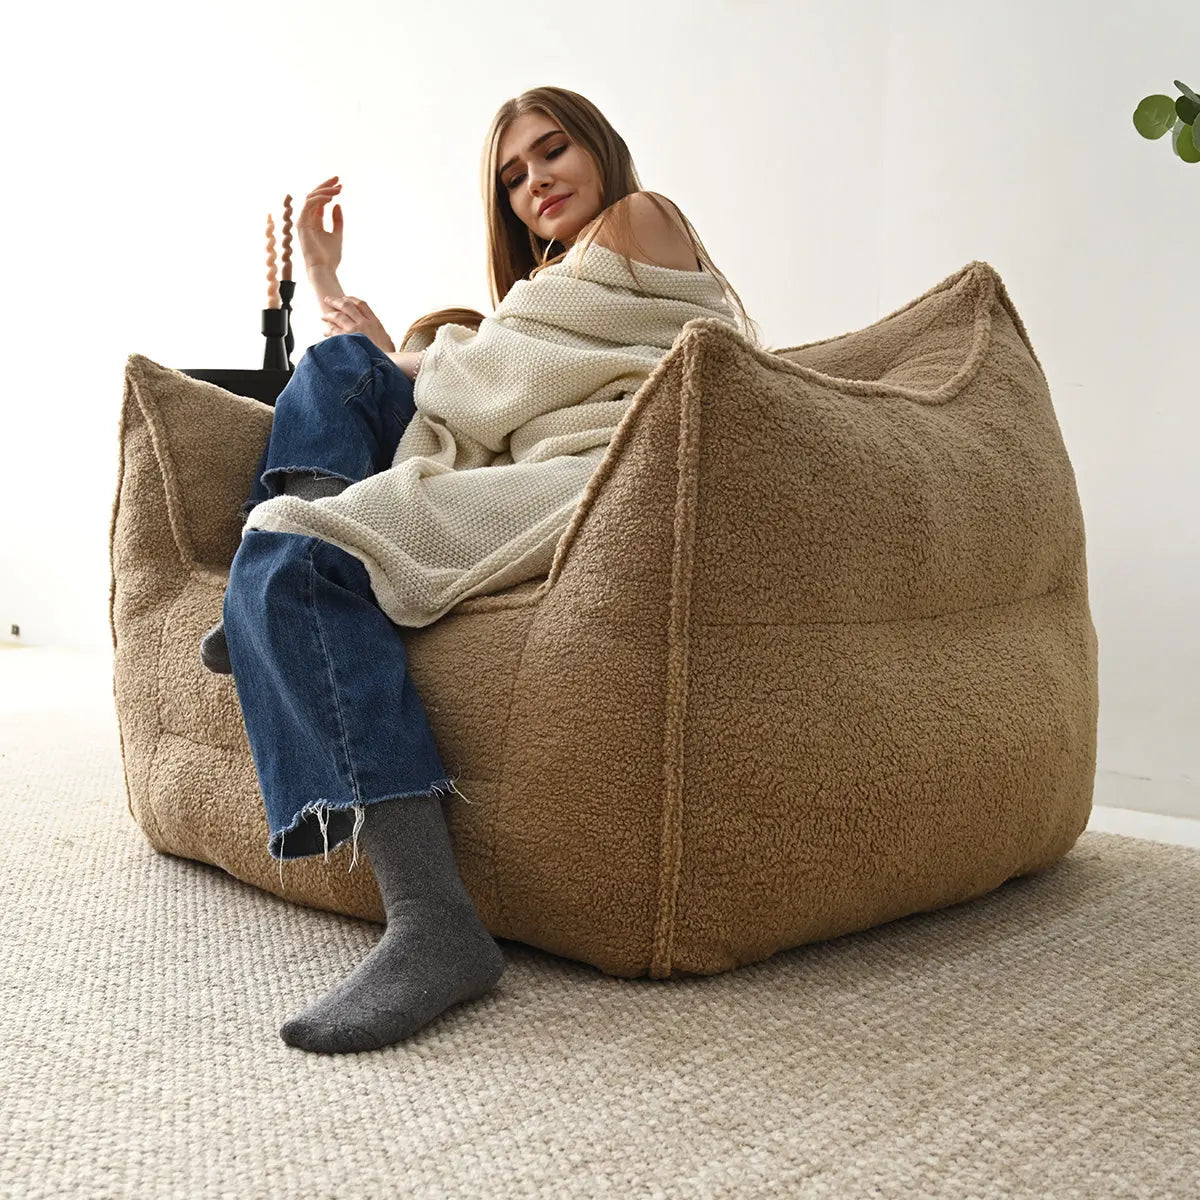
(815, 652)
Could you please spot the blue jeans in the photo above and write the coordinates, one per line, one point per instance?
(332, 716)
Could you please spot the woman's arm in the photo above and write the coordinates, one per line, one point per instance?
(408, 361)
(325, 283)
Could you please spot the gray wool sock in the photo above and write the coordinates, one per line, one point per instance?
(434, 953)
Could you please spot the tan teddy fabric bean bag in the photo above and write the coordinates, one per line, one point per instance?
(814, 654)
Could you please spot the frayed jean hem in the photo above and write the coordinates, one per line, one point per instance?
(337, 814)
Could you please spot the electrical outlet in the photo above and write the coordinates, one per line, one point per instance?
(15, 630)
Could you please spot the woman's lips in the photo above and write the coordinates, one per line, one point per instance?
(557, 205)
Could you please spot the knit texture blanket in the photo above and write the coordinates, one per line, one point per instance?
(511, 423)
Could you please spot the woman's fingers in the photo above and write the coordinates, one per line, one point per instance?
(318, 200)
(312, 215)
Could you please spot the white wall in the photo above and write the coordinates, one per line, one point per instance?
(837, 160)
(1008, 136)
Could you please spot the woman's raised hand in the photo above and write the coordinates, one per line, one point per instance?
(322, 250)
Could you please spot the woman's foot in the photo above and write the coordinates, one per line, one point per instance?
(214, 650)
(430, 957)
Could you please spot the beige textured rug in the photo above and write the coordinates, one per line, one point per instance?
(1042, 1041)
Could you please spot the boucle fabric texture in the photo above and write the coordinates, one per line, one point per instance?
(534, 397)
(814, 652)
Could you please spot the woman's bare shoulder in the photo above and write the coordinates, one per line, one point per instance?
(660, 235)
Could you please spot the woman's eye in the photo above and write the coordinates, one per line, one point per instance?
(512, 183)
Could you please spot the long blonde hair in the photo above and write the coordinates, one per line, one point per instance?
(515, 252)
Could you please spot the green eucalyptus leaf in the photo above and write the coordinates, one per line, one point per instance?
(1186, 109)
(1185, 146)
(1154, 116)
(1187, 91)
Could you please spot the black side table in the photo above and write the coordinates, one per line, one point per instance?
(264, 385)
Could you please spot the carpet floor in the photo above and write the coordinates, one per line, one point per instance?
(1041, 1041)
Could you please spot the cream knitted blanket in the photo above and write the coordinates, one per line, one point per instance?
(511, 423)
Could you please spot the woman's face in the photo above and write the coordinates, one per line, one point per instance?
(543, 166)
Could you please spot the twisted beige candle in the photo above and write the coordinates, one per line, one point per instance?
(287, 236)
(272, 282)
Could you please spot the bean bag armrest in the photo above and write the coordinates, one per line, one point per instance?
(207, 442)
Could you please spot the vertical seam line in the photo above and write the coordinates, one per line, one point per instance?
(679, 612)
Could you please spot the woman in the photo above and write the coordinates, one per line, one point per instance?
(320, 667)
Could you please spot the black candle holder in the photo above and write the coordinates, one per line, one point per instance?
(264, 384)
(274, 329)
(287, 289)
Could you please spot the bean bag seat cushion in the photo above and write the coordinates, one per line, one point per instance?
(815, 652)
